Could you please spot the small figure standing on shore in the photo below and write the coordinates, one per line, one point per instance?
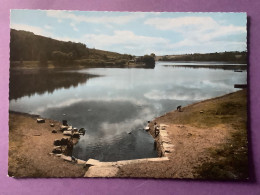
(156, 129)
(179, 108)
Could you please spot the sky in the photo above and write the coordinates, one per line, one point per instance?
(139, 33)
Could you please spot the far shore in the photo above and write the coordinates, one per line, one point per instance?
(34, 65)
(208, 140)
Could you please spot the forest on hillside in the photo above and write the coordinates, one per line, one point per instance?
(26, 46)
(231, 56)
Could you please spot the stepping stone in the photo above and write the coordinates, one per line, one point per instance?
(40, 120)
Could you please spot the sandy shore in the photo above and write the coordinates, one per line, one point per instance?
(30, 145)
(209, 141)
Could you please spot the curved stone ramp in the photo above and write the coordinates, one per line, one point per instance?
(110, 169)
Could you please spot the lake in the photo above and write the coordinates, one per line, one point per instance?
(115, 105)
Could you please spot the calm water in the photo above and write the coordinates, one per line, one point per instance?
(117, 102)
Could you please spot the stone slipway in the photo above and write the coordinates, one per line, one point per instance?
(110, 169)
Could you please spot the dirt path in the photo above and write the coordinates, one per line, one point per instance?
(29, 146)
(209, 139)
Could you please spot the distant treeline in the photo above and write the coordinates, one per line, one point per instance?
(26, 46)
(236, 57)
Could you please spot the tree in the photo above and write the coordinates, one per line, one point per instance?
(149, 61)
(61, 58)
(43, 59)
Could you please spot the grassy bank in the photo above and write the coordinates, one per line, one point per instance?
(209, 138)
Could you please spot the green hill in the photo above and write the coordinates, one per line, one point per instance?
(26, 47)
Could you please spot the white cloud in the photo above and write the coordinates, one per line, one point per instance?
(198, 32)
(123, 19)
(74, 26)
(48, 27)
(179, 24)
(127, 39)
(122, 37)
(174, 95)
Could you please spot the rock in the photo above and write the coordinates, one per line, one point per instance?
(57, 142)
(67, 133)
(64, 141)
(52, 125)
(76, 135)
(65, 122)
(66, 158)
(82, 131)
(54, 131)
(40, 120)
(57, 150)
(201, 111)
(63, 127)
(147, 128)
(93, 162)
(81, 162)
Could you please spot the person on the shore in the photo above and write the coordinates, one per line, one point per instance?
(156, 129)
(179, 108)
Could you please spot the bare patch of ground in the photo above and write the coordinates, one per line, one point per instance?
(29, 146)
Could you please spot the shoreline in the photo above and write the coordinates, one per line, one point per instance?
(207, 140)
(170, 144)
(30, 149)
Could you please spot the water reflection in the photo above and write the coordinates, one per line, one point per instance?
(114, 107)
(30, 82)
